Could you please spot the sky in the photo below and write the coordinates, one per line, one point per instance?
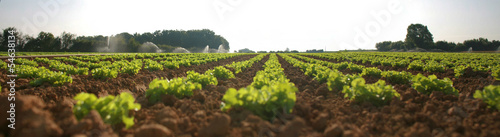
(262, 25)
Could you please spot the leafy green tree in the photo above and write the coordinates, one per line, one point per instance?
(245, 50)
(47, 42)
(67, 40)
(4, 40)
(460, 47)
(194, 40)
(133, 45)
(383, 46)
(419, 36)
(81, 44)
(481, 44)
(398, 45)
(444, 45)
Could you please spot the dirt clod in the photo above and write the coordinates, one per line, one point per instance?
(153, 130)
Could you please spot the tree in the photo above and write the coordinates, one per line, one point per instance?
(31, 44)
(133, 45)
(460, 47)
(5, 38)
(481, 44)
(444, 45)
(47, 42)
(245, 50)
(67, 40)
(383, 46)
(419, 36)
(397, 45)
(194, 40)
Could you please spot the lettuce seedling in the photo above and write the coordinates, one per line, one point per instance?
(496, 73)
(336, 81)
(266, 102)
(377, 93)
(356, 68)
(170, 64)
(220, 72)
(429, 84)
(203, 79)
(179, 87)
(397, 77)
(372, 71)
(113, 110)
(103, 73)
(490, 95)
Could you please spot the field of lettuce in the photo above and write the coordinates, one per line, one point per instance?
(231, 94)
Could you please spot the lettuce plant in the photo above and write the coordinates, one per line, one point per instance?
(416, 65)
(266, 102)
(179, 87)
(496, 73)
(220, 72)
(459, 70)
(103, 73)
(152, 65)
(42, 60)
(132, 68)
(335, 81)
(23, 61)
(54, 78)
(70, 69)
(429, 84)
(397, 77)
(203, 79)
(170, 64)
(490, 95)
(3, 65)
(356, 68)
(377, 93)
(322, 75)
(401, 63)
(372, 71)
(434, 66)
(113, 110)
(341, 66)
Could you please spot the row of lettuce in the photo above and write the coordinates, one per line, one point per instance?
(354, 87)
(269, 95)
(427, 62)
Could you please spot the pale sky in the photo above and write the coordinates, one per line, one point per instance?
(262, 24)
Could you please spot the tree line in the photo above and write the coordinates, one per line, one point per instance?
(419, 38)
(166, 40)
